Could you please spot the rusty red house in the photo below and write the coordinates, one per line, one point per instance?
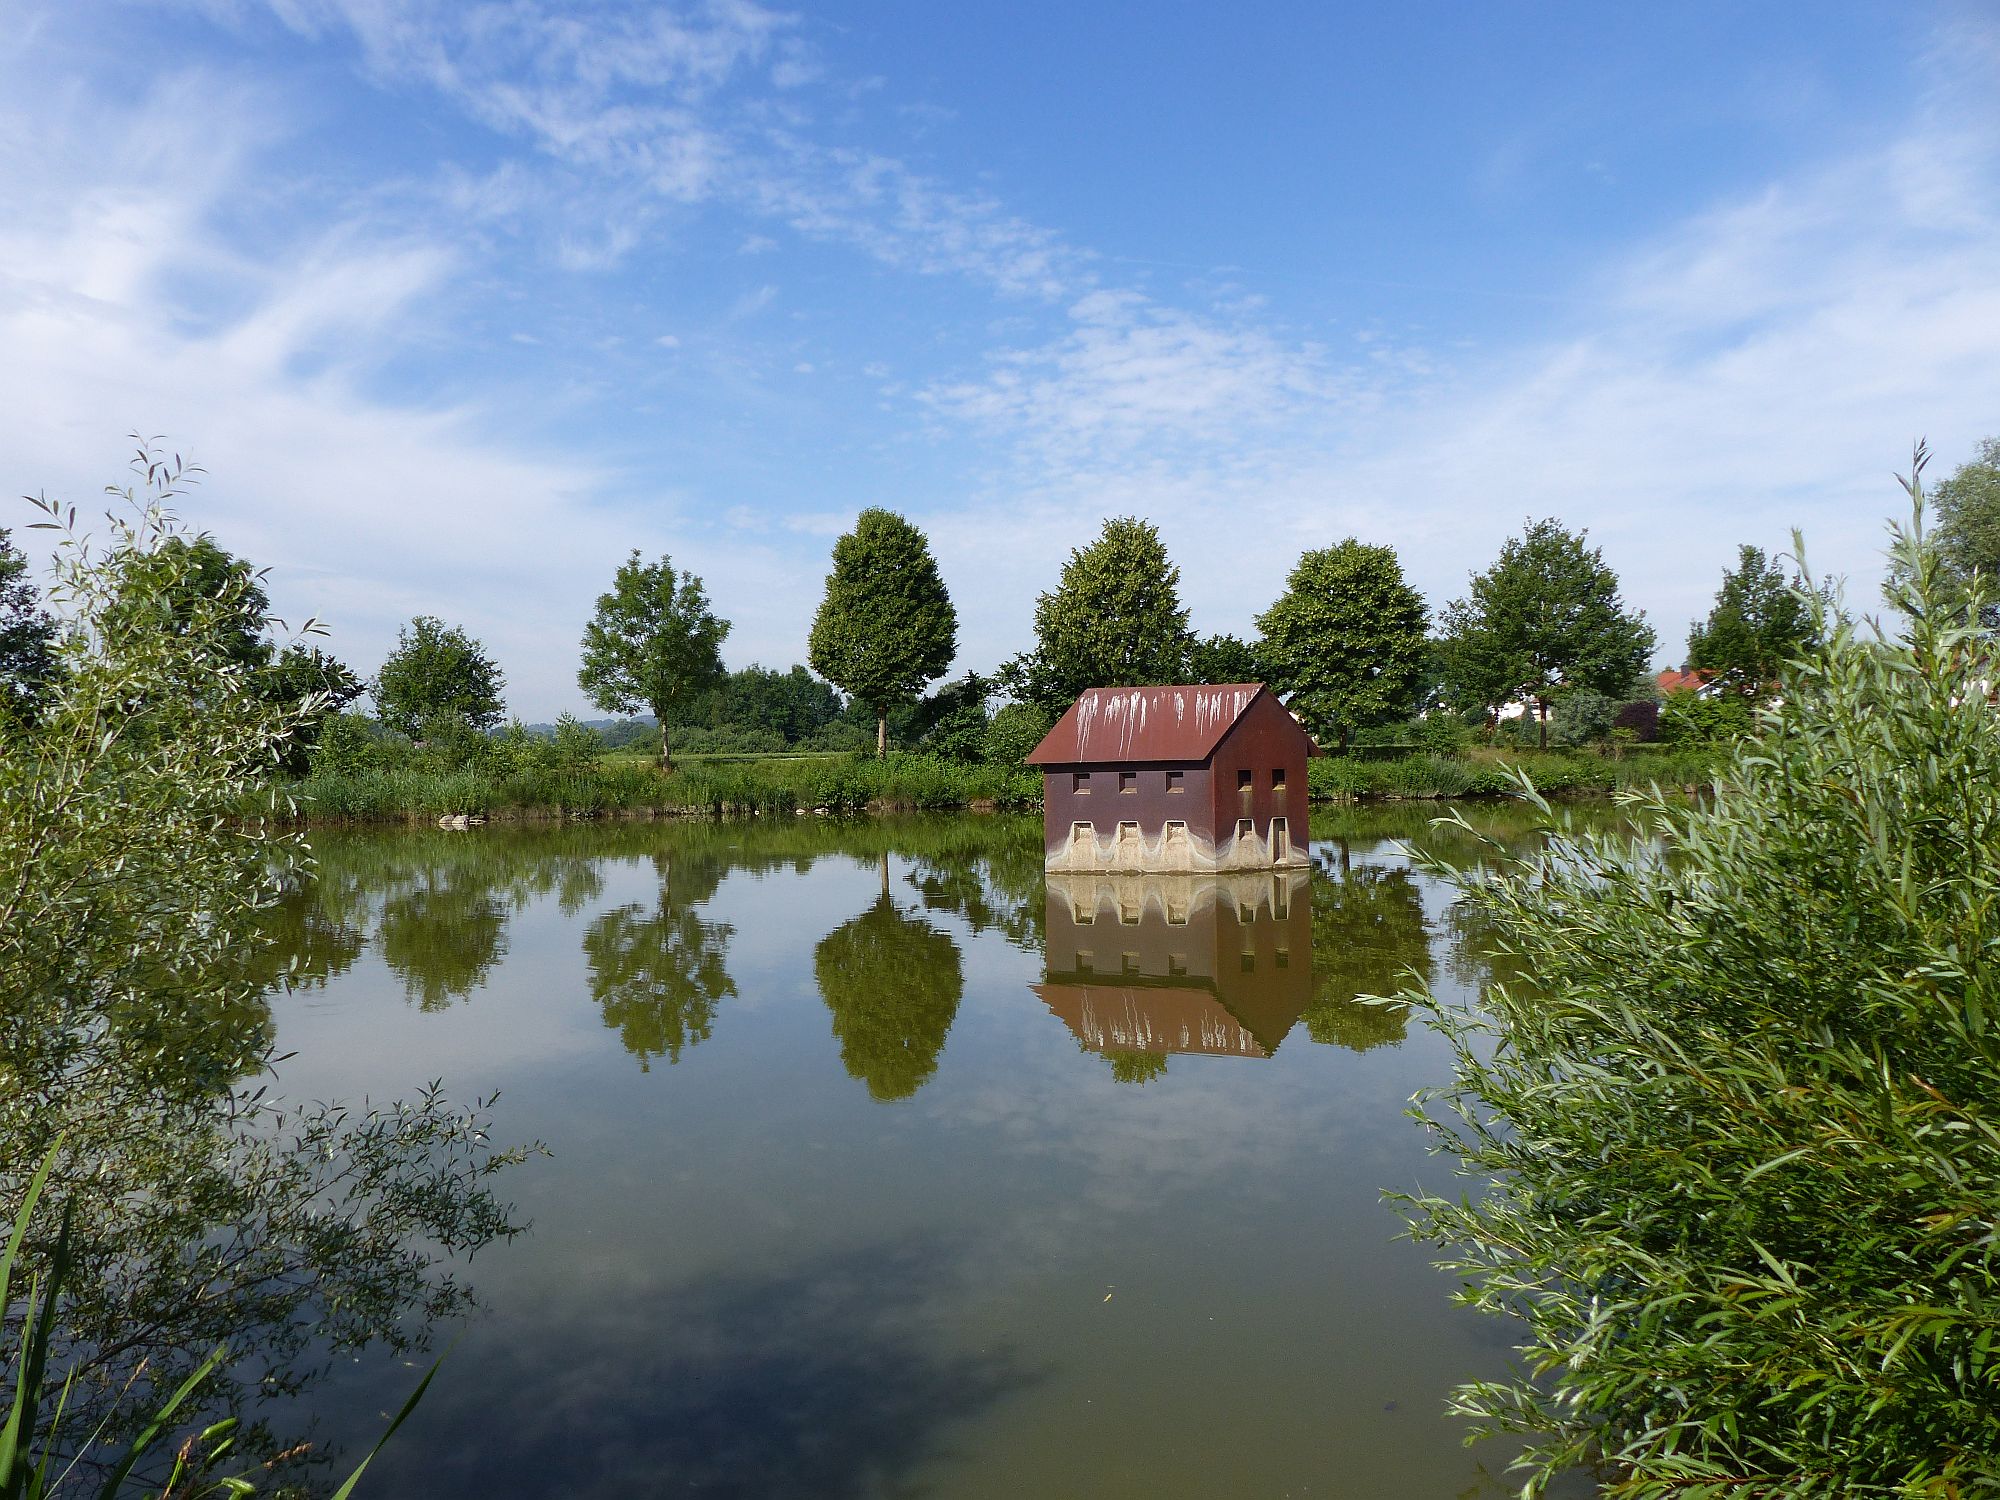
(1175, 779)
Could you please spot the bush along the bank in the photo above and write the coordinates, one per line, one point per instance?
(362, 773)
(1739, 1104)
(1492, 774)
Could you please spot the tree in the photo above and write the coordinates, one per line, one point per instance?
(1737, 1132)
(654, 642)
(315, 685)
(437, 670)
(27, 637)
(1546, 616)
(1223, 658)
(1967, 528)
(1758, 623)
(1345, 642)
(192, 586)
(136, 913)
(886, 626)
(1115, 620)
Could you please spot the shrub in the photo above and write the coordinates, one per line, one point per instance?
(1688, 718)
(1742, 1125)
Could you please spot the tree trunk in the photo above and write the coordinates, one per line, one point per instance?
(1542, 714)
(885, 874)
(881, 736)
(666, 754)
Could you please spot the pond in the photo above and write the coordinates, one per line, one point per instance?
(881, 1165)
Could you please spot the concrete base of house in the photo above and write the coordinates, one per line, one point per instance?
(1175, 850)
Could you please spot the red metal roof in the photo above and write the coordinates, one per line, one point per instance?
(1145, 724)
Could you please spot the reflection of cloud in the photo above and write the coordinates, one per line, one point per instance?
(820, 1378)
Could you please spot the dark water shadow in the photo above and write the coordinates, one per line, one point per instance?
(818, 1380)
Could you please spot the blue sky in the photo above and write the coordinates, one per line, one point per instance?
(459, 302)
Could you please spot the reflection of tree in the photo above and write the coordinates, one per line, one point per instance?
(893, 983)
(658, 976)
(442, 939)
(1137, 1067)
(205, 1216)
(995, 884)
(1368, 933)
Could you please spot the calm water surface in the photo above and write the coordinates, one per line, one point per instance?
(883, 1166)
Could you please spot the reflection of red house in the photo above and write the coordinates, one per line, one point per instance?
(1219, 965)
(1175, 779)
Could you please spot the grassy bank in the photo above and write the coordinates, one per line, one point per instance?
(617, 785)
(1490, 773)
(621, 785)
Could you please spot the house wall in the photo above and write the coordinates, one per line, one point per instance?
(1149, 804)
(1265, 741)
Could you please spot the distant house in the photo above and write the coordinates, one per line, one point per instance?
(1177, 964)
(1175, 779)
(1672, 681)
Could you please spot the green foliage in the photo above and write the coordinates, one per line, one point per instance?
(137, 918)
(1691, 718)
(953, 722)
(1967, 530)
(1115, 620)
(1759, 622)
(653, 643)
(1738, 1110)
(27, 637)
(786, 707)
(437, 669)
(1223, 658)
(892, 983)
(1015, 731)
(310, 683)
(1583, 718)
(1545, 617)
(1345, 642)
(886, 626)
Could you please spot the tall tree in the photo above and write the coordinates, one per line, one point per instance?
(1758, 623)
(1967, 528)
(1345, 642)
(653, 643)
(886, 626)
(27, 637)
(1114, 620)
(437, 669)
(1546, 616)
(1223, 658)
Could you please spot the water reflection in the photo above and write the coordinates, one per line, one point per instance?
(1369, 937)
(658, 974)
(1143, 966)
(893, 983)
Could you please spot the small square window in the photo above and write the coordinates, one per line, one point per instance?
(1174, 781)
(1079, 783)
(1284, 958)
(1278, 779)
(1128, 781)
(1083, 960)
(1248, 963)
(1177, 964)
(1129, 963)
(1243, 781)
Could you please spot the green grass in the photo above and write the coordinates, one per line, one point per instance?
(621, 784)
